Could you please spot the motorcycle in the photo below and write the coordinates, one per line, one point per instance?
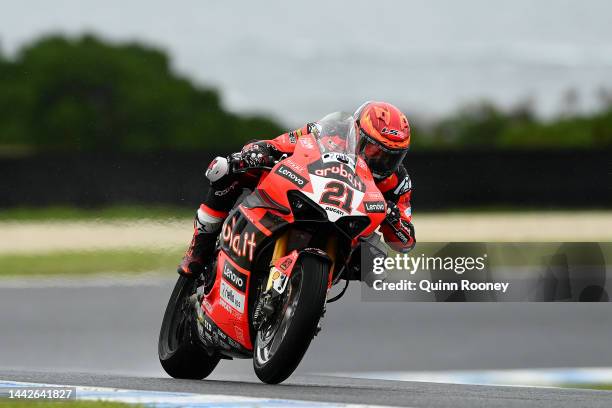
(280, 251)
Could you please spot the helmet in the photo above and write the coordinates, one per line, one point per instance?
(384, 137)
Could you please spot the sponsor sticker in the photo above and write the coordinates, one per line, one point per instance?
(286, 264)
(233, 298)
(374, 207)
(338, 171)
(290, 175)
(242, 245)
(387, 131)
(295, 166)
(233, 344)
(292, 138)
(234, 277)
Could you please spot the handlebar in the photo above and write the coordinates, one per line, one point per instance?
(238, 164)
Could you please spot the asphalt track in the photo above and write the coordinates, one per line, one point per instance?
(109, 332)
(344, 390)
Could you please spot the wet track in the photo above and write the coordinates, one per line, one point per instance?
(106, 330)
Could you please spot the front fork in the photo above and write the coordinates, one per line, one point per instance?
(277, 280)
(280, 251)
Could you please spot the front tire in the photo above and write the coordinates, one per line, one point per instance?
(179, 354)
(280, 347)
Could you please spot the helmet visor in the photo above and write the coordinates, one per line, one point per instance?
(381, 160)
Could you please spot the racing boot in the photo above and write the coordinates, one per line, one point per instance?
(200, 253)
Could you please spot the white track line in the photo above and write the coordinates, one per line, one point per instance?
(163, 399)
(543, 377)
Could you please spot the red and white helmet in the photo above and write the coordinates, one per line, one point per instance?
(384, 137)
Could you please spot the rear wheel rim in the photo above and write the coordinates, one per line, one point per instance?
(270, 338)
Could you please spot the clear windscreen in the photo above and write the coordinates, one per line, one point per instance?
(337, 138)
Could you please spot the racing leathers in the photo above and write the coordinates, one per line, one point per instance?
(227, 184)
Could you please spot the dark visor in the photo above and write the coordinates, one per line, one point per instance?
(381, 161)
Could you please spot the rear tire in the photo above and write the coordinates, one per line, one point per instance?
(179, 353)
(274, 367)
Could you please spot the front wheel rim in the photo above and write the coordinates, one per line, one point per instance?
(270, 338)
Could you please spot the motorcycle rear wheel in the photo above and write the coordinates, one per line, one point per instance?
(179, 354)
(280, 346)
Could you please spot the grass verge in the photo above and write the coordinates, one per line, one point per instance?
(87, 262)
(160, 212)
(598, 387)
(120, 212)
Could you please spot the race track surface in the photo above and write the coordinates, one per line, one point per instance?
(112, 327)
(345, 390)
(109, 329)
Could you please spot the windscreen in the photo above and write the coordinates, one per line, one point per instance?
(337, 138)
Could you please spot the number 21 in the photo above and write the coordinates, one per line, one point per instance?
(338, 195)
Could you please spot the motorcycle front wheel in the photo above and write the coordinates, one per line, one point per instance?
(281, 344)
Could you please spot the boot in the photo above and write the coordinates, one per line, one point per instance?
(199, 254)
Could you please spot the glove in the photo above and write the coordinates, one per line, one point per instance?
(257, 155)
(401, 230)
(393, 213)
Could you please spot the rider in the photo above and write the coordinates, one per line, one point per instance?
(384, 139)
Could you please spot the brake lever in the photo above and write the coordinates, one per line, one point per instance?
(236, 168)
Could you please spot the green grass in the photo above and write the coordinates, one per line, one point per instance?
(117, 212)
(88, 262)
(598, 387)
(11, 403)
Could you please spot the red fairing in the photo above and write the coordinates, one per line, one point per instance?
(288, 142)
(227, 304)
(285, 264)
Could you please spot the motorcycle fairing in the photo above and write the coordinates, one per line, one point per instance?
(227, 304)
(282, 269)
(324, 183)
(214, 337)
(338, 181)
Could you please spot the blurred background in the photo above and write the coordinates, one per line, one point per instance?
(110, 112)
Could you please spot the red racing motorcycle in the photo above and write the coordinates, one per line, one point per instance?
(280, 251)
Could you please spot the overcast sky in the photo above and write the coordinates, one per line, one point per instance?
(298, 60)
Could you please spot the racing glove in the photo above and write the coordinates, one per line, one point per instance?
(259, 155)
(398, 232)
